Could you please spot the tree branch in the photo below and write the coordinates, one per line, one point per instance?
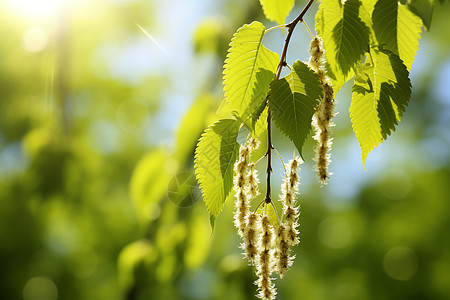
(281, 64)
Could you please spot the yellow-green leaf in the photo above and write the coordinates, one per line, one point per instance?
(277, 10)
(148, 185)
(249, 69)
(380, 95)
(215, 155)
(397, 29)
(345, 37)
(424, 9)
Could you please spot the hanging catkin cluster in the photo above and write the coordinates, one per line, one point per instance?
(322, 120)
(267, 246)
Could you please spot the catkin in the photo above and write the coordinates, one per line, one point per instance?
(253, 181)
(267, 247)
(246, 188)
(282, 258)
(287, 233)
(264, 266)
(242, 202)
(252, 233)
(322, 119)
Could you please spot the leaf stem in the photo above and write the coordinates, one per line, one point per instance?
(281, 64)
(282, 162)
(275, 27)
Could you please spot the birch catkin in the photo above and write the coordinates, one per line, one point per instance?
(246, 188)
(264, 261)
(322, 119)
(242, 202)
(287, 233)
(267, 246)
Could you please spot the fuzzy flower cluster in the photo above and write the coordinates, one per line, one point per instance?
(287, 232)
(322, 120)
(246, 188)
(267, 246)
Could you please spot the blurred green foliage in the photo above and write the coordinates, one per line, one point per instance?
(96, 204)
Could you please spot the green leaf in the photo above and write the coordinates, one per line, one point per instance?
(130, 257)
(215, 155)
(424, 9)
(345, 37)
(380, 95)
(261, 123)
(148, 184)
(192, 126)
(277, 10)
(269, 211)
(249, 69)
(397, 29)
(257, 123)
(365, 13)
(293, 100)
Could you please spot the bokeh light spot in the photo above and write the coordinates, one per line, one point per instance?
(40, 288)
(335, 232)
(84, 261)
(396, 184)
(400, 263)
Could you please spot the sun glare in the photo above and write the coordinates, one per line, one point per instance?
(41, 9)
(35, 39)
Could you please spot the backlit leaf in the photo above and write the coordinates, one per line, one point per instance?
(277, 10)
(270, 212)
(397, 29)
(424, 9)
(249, 69)
(345, 37)
(293, 100)
(215, 155)
(380, 95)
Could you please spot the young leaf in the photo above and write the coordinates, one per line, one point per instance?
(249, 69)
(215, 155)
(397, 29)
(380, 95)
(293, 100)
(269, 211)
(277, 10)
(345, 37)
